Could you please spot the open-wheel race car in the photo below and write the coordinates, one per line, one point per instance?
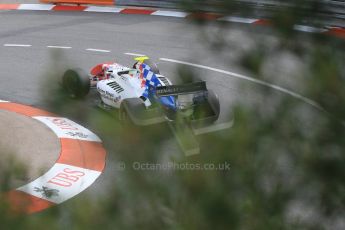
(142, 95)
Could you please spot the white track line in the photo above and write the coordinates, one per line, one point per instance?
(134, 54)
(3, 101)
(59, 47)
(236, 75)
(17, 45)
(98, 50)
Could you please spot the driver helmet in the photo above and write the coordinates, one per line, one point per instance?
(107, 70)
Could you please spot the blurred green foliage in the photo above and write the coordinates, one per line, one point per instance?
(287, 158)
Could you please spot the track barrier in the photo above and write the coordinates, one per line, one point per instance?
(95, 2)
(332, 27)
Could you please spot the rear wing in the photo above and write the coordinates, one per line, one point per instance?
(189, 88)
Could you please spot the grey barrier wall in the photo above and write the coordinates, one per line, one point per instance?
(151, 3)
(261, 8)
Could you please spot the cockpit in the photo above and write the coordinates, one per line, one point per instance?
(131, 72)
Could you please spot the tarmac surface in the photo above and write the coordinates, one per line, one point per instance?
(34, 145)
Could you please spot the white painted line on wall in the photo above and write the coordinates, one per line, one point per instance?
(170, 13)
(134, 54)
(17, 45)
(236, 75)
(238, 19)
(308, 29)
(103, 9)
(59, 47)
(35, 7)
(98, 50)
(3, 101)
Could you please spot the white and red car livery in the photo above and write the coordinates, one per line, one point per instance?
(142, 94)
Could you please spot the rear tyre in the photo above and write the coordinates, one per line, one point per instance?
(208, 111)
(213, 100)
(76, 83)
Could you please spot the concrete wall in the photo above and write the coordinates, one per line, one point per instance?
(331, 9)
(153, 3)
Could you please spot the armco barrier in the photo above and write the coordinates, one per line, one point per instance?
(149, 3)
(96, 2)
(333, 29)
(328, 9)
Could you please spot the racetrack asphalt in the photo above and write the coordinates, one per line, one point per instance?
(35, 146)
(24, 68)
(158, 37)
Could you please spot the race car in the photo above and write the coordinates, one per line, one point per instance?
(142, 95)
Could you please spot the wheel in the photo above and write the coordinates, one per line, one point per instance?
(153, 66)
(131, 111)
(213, 100)
(208, 111)
(76, 83)
(123, 116)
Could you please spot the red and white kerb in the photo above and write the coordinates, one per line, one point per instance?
(81, 162)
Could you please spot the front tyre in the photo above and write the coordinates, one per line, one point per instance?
(76, 83)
